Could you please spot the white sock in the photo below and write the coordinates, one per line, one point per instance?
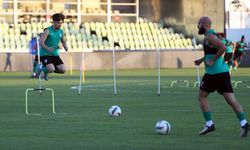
(209, 123)
(243, 122)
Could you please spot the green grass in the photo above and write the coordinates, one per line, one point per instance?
(88, 126)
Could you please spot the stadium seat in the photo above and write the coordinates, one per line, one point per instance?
(99, 36)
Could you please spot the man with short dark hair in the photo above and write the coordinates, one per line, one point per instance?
(50, 41)
(240, 45)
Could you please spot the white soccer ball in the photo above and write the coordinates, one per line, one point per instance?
(115, 111)
(162, 127)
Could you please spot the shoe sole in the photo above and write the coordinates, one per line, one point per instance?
(207, 131)
(245, 133)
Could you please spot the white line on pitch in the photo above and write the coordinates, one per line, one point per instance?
(100, 85)
(167, 92)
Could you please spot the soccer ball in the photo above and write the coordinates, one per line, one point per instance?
(115, 111)
(162, 127)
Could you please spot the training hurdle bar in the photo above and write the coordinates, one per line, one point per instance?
(196, 83)
(184, 83)
(39, 89)
(236, 83)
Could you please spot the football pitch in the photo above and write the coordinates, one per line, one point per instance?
(87, 125)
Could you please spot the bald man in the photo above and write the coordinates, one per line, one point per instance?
(216, 77)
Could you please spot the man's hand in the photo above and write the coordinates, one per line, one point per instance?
(209, 62)
(198, 62)
(50, 49)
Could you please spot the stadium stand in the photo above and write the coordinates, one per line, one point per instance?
(98, 36)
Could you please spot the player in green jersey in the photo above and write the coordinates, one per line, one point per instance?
(240, 45)
(49, 53)
(216, 77)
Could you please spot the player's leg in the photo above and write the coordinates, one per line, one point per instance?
(49, 68)
(54, 64)
(236, 63)
(231, 65)
(60, 67)
(35, 66)
(206, 87)
(237, 56)
(228, 58)
(204, 106)
(227, 91)
(34, 69)
(231, 100)
(38, 69)
(239, 59)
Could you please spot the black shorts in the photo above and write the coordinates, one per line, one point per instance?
(220, 82)
(55, 60)
(237, 54)
(228, 56)
(36, 58)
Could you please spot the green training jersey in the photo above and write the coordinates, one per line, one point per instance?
(53, 40)
(240, 46)
(219, 65)
(228, 45)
